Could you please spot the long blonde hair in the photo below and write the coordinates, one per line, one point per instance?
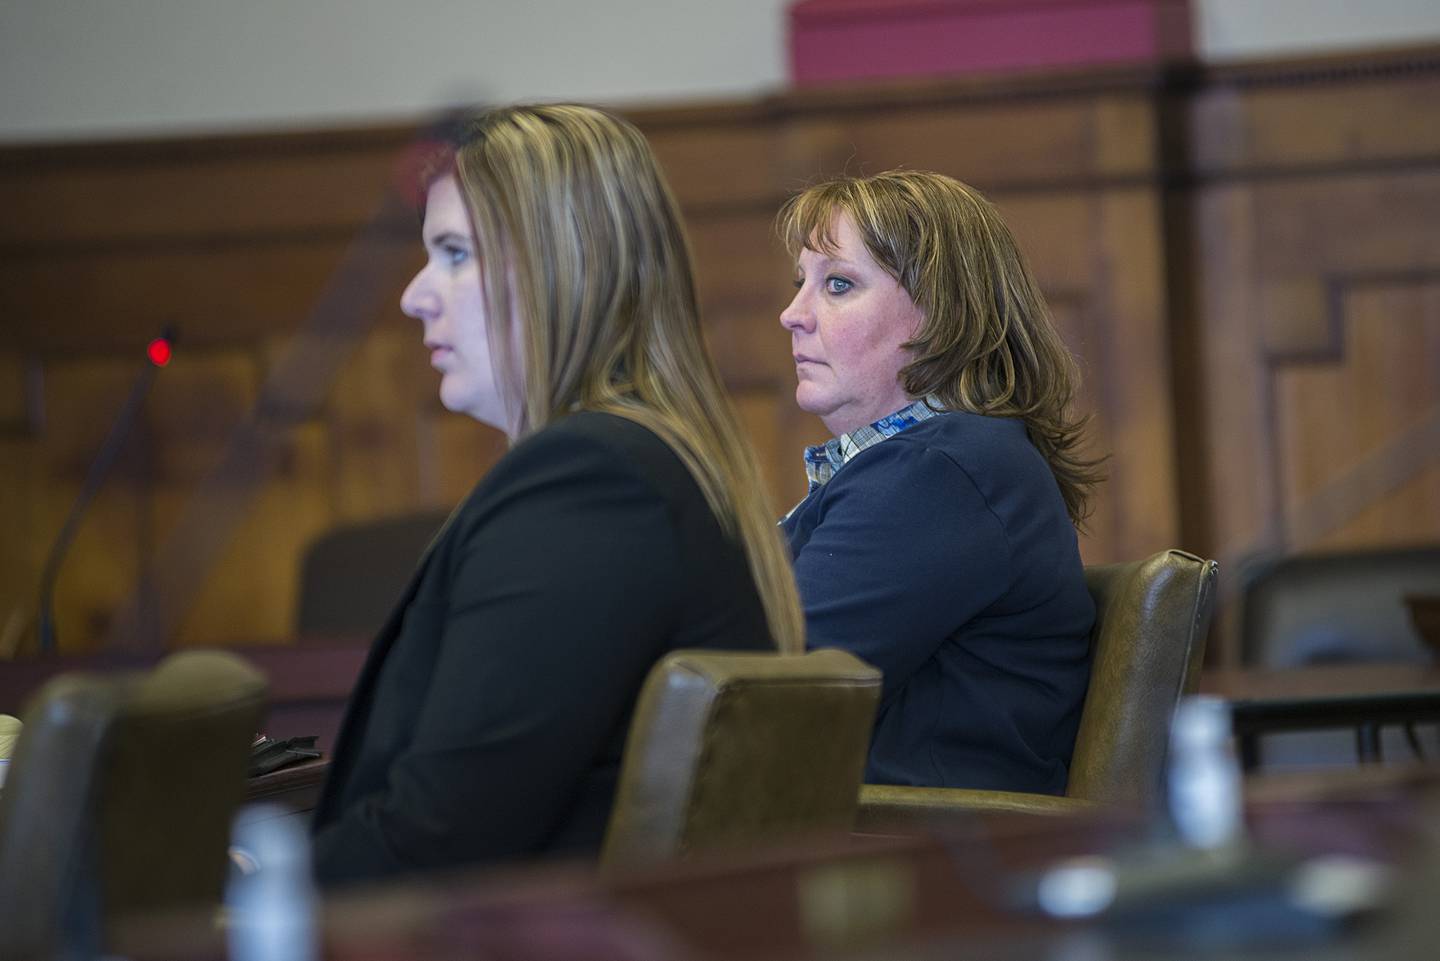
(580, 238)
(987, 344)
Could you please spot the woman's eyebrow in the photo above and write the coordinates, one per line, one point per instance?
(447, 237)
(824, 261)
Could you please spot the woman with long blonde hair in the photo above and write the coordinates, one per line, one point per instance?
(938, 537)
(558, 304)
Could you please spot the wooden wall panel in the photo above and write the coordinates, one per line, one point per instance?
(744, 279)
(79, 398)
(248, 592)
(21, 549)
(158, 191)
(1364, 405)
(384, 377)
(74, 300)
(455, 453)
(1317, 269)
(1265, 120)
(237, 240)
(1243, 261)
(722, 159)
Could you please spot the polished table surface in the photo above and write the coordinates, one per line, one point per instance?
(945, 896)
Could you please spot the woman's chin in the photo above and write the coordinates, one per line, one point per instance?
(812, 400)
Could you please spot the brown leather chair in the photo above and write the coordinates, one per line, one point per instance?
(1152, 618)
(120, 797)
(732, 749)
(351, 576)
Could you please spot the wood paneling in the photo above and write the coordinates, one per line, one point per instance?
(1317, 274)
(1244, 261)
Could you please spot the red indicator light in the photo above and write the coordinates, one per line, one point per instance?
(158, 351)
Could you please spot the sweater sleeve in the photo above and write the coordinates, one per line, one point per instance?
(906, 551)
(562, 591)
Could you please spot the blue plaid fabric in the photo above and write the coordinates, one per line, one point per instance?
(823, 460)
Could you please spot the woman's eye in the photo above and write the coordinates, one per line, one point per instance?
(837, 285)
(455, 256)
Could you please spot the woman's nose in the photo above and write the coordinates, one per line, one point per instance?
(419, 300)
(799, 315)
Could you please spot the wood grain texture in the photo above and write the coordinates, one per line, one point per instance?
(1317, 274)
(1243, 260)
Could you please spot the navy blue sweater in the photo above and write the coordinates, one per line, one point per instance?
(944, 556)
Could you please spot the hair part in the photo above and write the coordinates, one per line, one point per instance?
(986, 343)
(582, 248)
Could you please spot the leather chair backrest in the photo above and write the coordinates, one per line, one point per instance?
(1336, 608)
(47, 864)
(121, 795)
(730, 749)
(174, 776)
(1152, 618)
(350, 577)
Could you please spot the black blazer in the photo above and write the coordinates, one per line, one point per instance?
(489, 719)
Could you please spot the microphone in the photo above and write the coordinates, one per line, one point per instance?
(158, 353)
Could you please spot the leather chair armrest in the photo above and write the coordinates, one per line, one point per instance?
(886, 808)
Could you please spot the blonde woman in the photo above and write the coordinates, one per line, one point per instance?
(938, 537)
(558, 305)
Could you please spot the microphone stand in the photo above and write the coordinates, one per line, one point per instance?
(99, 468)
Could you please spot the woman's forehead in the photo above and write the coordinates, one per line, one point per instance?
(445, 207)
(837, 238)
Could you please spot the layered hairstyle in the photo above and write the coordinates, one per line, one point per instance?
(986, 343)
(580, 242)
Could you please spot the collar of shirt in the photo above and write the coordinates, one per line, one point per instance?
(823, 460)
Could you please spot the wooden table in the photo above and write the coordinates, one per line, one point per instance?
(902, 899)
(1365, 697)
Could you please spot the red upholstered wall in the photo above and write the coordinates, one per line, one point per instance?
(839, 40)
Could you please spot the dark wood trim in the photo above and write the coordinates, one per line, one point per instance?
(204, 148)
(1377, 63)
(402, 235)
(1081, 83)
(1182, 178)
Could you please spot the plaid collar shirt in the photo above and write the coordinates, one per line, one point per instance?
(823, 460)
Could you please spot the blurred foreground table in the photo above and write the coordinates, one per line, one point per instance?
(952, 895)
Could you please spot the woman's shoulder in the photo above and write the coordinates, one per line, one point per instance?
(604, 430)
(967, 440)
(991, 453)
(587, 445)
(961, 429)
(974, 441)
(608, 437)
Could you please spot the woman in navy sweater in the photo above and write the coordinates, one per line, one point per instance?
(938, 537)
